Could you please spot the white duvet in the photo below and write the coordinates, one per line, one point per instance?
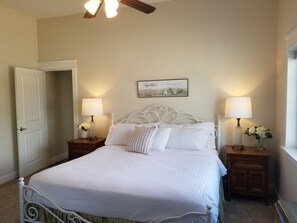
(112, 182)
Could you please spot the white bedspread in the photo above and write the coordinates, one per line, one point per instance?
(114, 183)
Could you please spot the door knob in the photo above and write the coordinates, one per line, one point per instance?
(22, 129)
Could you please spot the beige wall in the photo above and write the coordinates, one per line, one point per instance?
(285, 169)
(18, 47)
(223, 47)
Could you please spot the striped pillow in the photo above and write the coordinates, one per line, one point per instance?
(142, 140)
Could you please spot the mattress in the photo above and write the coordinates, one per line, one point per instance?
(112, 182)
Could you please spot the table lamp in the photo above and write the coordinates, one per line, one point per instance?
(91, 107)
(238, 107)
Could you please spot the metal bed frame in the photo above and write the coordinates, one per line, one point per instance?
(29, 206)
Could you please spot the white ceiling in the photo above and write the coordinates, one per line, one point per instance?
(52, 8)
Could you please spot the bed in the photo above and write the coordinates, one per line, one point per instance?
(158, 165)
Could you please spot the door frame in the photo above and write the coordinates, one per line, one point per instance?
(65, 65)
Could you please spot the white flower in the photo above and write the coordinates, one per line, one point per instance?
(251, 130)
(83, 126)
(259, 132)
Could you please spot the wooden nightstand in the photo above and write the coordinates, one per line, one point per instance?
(80, 147)
(248, 172)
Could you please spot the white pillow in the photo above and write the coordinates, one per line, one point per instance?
(147, 124)
(208, 126)
(142, 140)
(188, 139)
(161, 139)
(200, 125)
(120, 134)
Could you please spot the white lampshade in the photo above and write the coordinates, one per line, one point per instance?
(92, 6)
(238, 107)
(92, 106)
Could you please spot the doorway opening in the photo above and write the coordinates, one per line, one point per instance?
(59, 109)
(61, 96)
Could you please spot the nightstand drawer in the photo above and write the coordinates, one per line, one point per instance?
(248, 163)
(81, 147)
(78, 153)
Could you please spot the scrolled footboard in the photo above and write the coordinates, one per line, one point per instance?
(190, 217)
(30, 210)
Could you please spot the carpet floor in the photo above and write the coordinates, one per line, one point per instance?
(239, 209)
(250, 210)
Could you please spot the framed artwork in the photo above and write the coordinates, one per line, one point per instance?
(163, 88)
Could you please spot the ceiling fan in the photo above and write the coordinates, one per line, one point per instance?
(111, 6)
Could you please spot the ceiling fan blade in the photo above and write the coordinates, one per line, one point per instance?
(141, 6)
(89, 15)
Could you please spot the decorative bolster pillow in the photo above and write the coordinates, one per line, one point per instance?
(142, 140)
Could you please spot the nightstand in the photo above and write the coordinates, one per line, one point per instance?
(80, 147)
(248, 172)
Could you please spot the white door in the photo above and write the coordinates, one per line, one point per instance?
(31, 120)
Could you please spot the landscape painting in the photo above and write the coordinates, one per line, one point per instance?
(163, 88)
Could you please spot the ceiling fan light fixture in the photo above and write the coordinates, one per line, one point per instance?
(111, 7)
(112, 4)
(111, 13)
(92, 5)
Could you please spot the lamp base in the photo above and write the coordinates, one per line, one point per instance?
(238, 136)
(92, 129)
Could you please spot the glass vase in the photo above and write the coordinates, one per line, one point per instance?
(259, 144)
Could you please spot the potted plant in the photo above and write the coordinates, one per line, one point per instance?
(83, 129)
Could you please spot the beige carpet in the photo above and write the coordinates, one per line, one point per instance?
(9, 209)
(250, 210)
(241, 210)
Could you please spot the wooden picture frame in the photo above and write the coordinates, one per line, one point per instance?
(163, 88)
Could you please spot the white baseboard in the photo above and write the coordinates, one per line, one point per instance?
(9, 177)
(14, 175)
(58, 158)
